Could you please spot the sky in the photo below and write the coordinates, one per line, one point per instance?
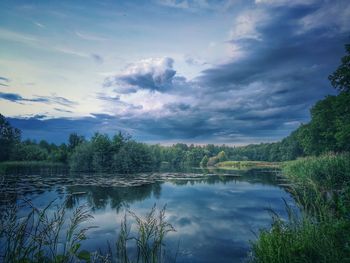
(164, 71)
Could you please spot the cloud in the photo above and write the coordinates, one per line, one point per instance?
(17, 37)
(97, 58)
(63, 110)
(91, 37)
(73, 52)
(14, 97)
(332, 16)
(246, 25)
(113, 104)
(192, 61)
(195, 5)
(285, 2)
(154, 74)
(39, 24)
(4, 81)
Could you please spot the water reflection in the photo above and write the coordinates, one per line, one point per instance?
(215, 213)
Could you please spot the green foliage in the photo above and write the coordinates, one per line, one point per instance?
(49, 235)
(213, 161)
(303, 240)
(246, 165)
(29, 167)
(320, 232)
(81, 159)
(28, 152)
(101, 152)
(75, 140)
(9, 137)
(133, 157)
(340, 79)
(204, 161)
(329, 128)
(330, 171)
(149, 241)
(222, 156)
(40, 235)
(119, 155)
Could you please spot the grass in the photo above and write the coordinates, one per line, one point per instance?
(246, 165)
(320, 232)
(329, 171)
(25, 167)
(149, 240)
(39, 235)
(48, 235)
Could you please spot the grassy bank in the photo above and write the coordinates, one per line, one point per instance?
(329, 171)
(21, 167)
(246, 165)
(321, 232)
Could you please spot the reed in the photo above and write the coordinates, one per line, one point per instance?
(49, 235)
(318, 230)
(149, 240)
(40, 236)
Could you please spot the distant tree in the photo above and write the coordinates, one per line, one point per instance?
(9, 137)
(74, 140)
(340, 79)
(212, 161)
(222, 156)
(81, 158)
(204, 161)
(102, 149)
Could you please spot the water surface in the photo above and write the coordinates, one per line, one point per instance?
(215, 213)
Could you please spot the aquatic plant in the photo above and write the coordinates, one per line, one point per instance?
(40, 236)
(45, 235)
(149, 240)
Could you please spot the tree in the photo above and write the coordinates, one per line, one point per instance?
(101, 146)
(9, 137)
(204, 161)
(222, 156)
(340, 79)
(81, 159)
(74, 140)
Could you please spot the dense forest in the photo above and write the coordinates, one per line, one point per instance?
(328, 131)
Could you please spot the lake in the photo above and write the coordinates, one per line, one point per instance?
(216, 213)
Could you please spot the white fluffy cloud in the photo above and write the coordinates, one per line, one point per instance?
(155, 74)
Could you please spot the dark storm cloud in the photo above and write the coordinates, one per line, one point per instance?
(14, 97)
(58, 129)
(292, 60)
(177, 107)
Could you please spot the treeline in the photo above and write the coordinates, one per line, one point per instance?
(328, 130)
